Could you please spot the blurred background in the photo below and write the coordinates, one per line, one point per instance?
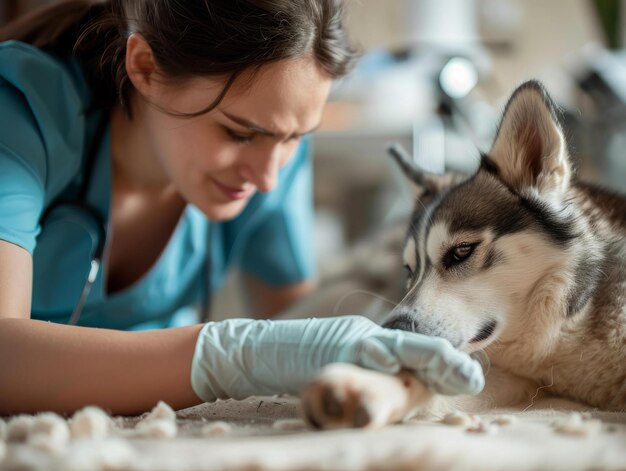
(434, 76)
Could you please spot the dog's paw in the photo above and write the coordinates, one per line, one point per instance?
(344, 395)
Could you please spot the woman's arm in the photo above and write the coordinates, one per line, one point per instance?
(53, 367)
(16, 281)
(46, 366)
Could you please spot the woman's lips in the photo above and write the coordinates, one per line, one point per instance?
(234, 193)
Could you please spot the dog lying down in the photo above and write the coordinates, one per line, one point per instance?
(519, 261)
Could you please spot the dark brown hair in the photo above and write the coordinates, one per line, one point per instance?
(188, 37)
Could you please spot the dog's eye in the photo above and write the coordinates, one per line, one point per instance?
(458, 254)
(462, 252)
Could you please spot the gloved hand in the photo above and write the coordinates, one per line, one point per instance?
(238, 358)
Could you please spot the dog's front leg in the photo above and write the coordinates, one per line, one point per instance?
(344, 395)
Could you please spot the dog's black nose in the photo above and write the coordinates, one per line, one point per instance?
(402, 322)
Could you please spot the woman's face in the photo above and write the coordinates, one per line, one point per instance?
(218, 160)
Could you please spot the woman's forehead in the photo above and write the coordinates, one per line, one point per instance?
(280, 96)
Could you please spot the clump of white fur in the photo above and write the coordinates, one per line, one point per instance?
(3, 450)
(159, 423)
(457, 418)
(480, 426)
(49, 433)
(504, 420)
(162, 411)
(475, 424)
(3, 430)
(18, 428)
(80, 455)
(578, 425)
(155, 429)
(90, 422)
(215, 429)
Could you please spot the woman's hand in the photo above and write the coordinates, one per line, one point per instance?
(238, 358)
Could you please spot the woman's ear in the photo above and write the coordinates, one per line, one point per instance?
(140, 64)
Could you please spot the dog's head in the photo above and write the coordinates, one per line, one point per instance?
(478, 251)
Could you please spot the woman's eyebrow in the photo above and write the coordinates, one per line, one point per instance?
(255, 127)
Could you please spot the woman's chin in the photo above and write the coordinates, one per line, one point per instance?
(224, 212)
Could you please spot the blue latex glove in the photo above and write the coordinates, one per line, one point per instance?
(238, 358)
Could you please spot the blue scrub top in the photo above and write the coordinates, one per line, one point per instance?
(46, 130)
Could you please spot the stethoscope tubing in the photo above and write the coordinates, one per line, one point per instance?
(99, 240)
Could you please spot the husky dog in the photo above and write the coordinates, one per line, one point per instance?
(520, 261)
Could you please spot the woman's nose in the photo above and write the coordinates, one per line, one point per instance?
(262, 170)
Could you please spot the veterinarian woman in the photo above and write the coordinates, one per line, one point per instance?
(166, 141)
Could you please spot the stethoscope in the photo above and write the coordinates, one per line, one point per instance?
(89, 220)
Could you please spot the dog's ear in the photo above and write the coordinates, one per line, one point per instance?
(529, 153)
(423, 184)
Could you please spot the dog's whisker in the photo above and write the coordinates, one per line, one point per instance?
(360, 291)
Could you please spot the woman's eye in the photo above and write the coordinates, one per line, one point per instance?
(239, 138)
(458, 254)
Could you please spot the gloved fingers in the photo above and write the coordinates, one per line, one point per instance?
(375, 355)
(466, 378)
(436, 362)
(416, 351)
